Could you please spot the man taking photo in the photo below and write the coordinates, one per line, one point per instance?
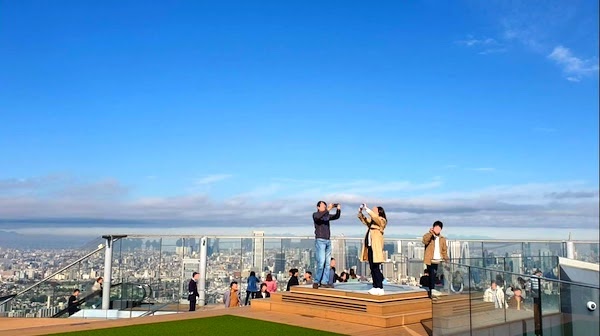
(321, 220)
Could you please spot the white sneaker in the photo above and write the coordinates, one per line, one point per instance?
(380, 291)
(374, 291)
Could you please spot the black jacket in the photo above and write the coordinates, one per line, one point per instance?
(292, 282)
(259, 295)
(321, 220)
(73, 305)
(193, 288)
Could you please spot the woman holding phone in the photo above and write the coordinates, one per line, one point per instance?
(372, 249)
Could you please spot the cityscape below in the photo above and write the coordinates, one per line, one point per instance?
(165, 264)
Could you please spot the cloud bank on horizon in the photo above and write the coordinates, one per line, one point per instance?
(64, 200)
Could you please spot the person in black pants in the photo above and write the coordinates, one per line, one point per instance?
(436, 251)
(372, 250)
(73, 304)
(193, 290)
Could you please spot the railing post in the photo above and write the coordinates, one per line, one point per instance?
(470, 308)
(537, 308)
(570, 250)
(202, 280)
(107, 273)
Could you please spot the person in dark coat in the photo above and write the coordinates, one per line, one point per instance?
(73, 303)
(263, 294)
(293, 279)
(424, 281)
(193, 290)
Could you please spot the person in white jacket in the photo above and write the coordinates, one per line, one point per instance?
(495, 294)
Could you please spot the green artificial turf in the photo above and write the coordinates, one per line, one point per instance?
(225, 325)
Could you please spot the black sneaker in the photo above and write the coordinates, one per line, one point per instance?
(315, 285)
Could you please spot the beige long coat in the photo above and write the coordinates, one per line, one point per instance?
(376, 225)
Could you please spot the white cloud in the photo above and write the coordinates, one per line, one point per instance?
(471, 41)
(210, 179)
(543, 205)
(483, 169)
(573, 67)
(492, 51)
(486, 46)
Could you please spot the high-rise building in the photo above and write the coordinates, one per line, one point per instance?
(401, 265)
(390, 248)
(279, 263)
(388, 271)
(416, 251)
(338, 249)
(286, 243)
(454, 250)
(259, 250)
(517, 263)
(247, 245)
(465, 254)
(352, 257)
(215, 246)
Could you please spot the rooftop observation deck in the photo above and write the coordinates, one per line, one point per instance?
(150, 274)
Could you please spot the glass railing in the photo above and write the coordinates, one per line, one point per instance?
(44, 290)
(165, 264)
(477, 300)
(168, 261)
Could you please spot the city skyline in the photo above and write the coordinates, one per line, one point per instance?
(239, 117)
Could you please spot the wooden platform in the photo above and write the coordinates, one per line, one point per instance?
(390, 310)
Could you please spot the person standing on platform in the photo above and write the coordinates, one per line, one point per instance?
(321, 219)
(193, 290)
(436, 251)
(271, 283)
(372, 249)
(252, 289)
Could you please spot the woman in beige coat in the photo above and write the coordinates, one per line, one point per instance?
(372, 250)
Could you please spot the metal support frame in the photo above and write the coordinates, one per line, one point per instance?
(202, 280)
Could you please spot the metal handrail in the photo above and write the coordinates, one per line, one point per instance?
(357, 237)
(528, 276)
(101, 247)
(156, 308)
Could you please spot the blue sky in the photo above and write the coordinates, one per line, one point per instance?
(187, 112)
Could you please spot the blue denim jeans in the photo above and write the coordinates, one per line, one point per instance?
(323, 253)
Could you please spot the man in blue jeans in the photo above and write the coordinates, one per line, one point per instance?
(321, 219)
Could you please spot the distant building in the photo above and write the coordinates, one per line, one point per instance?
(454, 250)
(416, 251)
(338, 249)
(259, 250)
(352, 257)
(279, 263)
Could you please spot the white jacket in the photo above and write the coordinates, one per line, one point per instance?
(488, 296)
